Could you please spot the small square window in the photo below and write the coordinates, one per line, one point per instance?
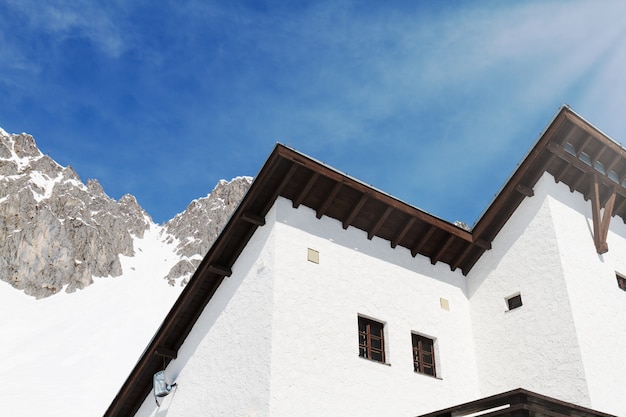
(371, 340)
(514, 302)
(423, 355)
(621, 282)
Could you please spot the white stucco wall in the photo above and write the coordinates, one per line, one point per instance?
(598, 304)
(535, 346)
(316, 369)
(223, 368)
(280, 336)
(567, 338)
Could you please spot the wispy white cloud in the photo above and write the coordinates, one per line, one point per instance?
(477, 82)
(60, 20)
(412, 88)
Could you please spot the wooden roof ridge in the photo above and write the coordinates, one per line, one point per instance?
(562, 150)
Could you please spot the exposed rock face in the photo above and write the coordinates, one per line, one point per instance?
(199, 225)
(55, 231)
(58, 233)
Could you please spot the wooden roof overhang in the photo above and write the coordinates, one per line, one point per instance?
(518, 403)
(304, 181)
(563, 151)
(577, 154)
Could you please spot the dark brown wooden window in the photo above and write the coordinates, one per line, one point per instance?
(621, 282)
(514, 302)
(371, 340)
(423, 355)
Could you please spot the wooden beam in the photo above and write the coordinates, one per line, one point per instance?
(619, 208)
(253, 219)
(334, 175)
(415, 250)
(528, 172)
(285, 181)
(166, 353)
(483, 244)
(606, 221)
(595, 211)
(561, 153)
(461, 257)
(305, 191)
(582, 147)
(220, 270)
(599, 155)
(613, 162)
(379, 223)
(355, 210)
(571, 132)
(402, 232)
(469, 263)
(442, 250)
(524, 190)
(591, 130)
(601, 221)
(577, 181)
(281, 186)
(559, 176)
(329, 199)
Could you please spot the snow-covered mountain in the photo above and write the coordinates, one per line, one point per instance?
(87, 280)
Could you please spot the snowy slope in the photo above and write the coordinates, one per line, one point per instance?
(85, 280)
(68, 355)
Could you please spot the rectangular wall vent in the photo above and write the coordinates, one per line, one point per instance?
(313, 256)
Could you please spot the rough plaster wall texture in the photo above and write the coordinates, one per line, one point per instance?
(223, 367)
(316, 369)
(598, 304)
(535, 346)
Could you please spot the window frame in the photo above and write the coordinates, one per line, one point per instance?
(371, 332)
(514, 302)
(420, 353)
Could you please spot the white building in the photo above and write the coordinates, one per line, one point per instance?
(326, 297)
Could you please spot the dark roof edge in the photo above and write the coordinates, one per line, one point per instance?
(250, 214)
(506, 403)
(485, 227)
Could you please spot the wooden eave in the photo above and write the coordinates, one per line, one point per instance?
(328, 192)
(518, 403)
(304, 181)
(577, 154)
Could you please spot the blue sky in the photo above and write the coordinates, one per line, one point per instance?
(433, 102)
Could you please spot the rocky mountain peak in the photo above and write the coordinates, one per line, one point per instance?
(24, 146)
(196, 228)
(57, 233)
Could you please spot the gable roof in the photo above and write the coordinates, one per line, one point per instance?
(571, 150)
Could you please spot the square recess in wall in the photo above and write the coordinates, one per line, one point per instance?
(445, 304)
(313, 256)
(514, 301)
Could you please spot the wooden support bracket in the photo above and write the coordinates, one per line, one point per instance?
(601, 221)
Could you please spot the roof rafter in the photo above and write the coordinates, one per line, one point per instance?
(304, 181)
